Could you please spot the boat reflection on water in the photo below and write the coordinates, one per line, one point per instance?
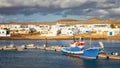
(85, 63)
(91, 63)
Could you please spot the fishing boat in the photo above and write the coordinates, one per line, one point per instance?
(78, 49)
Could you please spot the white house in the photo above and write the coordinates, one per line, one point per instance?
(43, 29)
(53, 31)
(113, 32)
(10, 26)
(101, 25)
(43, 32)
(24, 27)
(14, 27)
(4, 33)
(98, 28)
(60, 26)
(70, 30)
(84, 28)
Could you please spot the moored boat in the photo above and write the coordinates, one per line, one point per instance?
(77, 49)
(85, 53)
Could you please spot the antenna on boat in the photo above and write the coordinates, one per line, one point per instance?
(73, 38)
(90, 42)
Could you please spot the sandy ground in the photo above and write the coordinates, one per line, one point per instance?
(62, 37)
(86, 36)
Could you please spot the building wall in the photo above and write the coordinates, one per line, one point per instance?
(3, 33)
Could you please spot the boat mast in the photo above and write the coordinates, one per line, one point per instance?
(73, 38)
(90, 40)
(45, 43)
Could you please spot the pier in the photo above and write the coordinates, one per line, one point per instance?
(108, 56)
(31, 46)
(53, 48)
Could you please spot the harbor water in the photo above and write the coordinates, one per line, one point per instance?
(36, 58)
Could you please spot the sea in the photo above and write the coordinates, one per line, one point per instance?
(36, 58)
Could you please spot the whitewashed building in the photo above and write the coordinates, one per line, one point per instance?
(24, 27)
(70, 31)
(14, 27)
(101, 27)
(4, 33)
(60, 26)
(113, 32)
(44, 30)
(98, 28)
(84, 28)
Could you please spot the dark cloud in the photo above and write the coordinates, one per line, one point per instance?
(93, 8)
(27, 10)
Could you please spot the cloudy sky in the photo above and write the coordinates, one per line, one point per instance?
(52, 10)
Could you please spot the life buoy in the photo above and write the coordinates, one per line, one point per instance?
(80, 44)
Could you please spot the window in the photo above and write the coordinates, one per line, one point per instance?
(8, 32)
(111, 33)
(68, 28)
(70, 32)
(3, 32)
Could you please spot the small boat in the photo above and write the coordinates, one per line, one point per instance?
(77, 49)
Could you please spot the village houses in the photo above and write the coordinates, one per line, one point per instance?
(58, 29)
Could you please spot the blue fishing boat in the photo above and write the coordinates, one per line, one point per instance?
(90, 53)
(77, 49)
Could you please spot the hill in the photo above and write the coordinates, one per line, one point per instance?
(73, 22)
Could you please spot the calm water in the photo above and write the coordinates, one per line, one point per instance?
(35, 58)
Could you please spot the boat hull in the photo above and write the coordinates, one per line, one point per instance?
(90, 53)
(86, 53)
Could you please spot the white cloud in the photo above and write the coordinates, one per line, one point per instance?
(43, 3)
(57, 3)
(115, 10)
(86, 8)
(69, 3)
(101, 11)
(105, 5)
(1, 17)
(54, 3)
(4, 3)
